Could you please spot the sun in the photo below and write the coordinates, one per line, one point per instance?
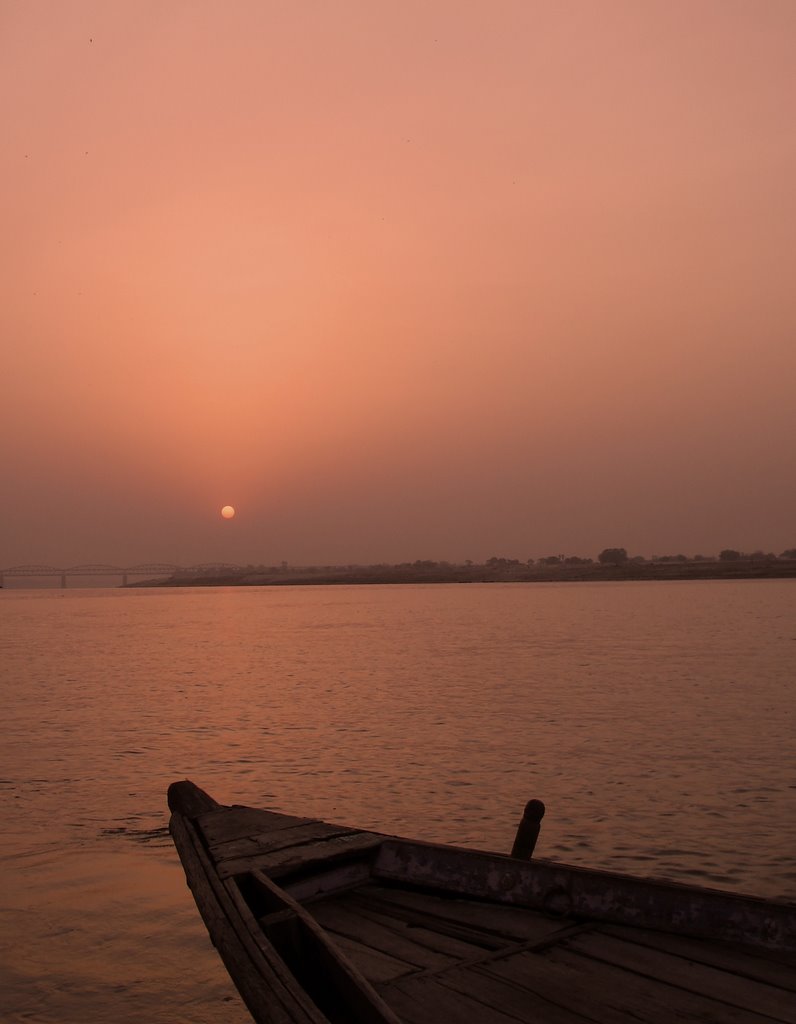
(228, 512)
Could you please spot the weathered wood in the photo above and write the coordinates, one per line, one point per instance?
(189, 800)
(377, 967)
(267, 988)
(688, 975)
(227, 823)
(520, 1003)
(346, 921)
(338, 879)
(434, 933)
(485, 957)
(279, 839)
(528, 830)
(291, 859)
(495, 923)
(605, 993)
(326, 964)
(357, 997)
(600, 895)
(757, 965)
(451, 945)
(444, 926)
(422, 1000)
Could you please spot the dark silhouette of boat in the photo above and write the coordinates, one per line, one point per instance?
(321, 923)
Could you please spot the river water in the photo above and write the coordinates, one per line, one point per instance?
(656, 721)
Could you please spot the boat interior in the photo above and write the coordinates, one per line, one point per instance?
(375, 929)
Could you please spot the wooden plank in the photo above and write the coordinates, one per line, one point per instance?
(599, 895)
(519, 1002)
(228, 823)
(377, 967)
(422, 1000)
(485, 956)
(284, 862)
(337, 879)
(267, 988)
(505, 923)
(442, 926)
(453, 946)
(726, 988)
(609, 994)
(328, 976)
(758, 965)
(280, 839)
(344, 920)
(781, 956)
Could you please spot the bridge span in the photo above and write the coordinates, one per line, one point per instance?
(101, 569)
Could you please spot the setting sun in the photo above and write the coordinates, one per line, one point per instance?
(228, 512)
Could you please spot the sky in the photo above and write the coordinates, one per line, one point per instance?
(433, 279)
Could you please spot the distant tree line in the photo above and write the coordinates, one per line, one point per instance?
(496, 565)
(619, 556)
(608, 556)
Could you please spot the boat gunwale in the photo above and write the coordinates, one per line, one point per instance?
(550, 886)
(589, 893)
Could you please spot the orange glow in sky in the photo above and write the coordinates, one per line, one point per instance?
(426, 280)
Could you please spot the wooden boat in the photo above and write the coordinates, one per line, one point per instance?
(321, 923)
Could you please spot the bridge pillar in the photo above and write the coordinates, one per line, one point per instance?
(124, 579)
(63, 581)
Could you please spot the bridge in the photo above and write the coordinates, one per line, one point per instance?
(100, 569)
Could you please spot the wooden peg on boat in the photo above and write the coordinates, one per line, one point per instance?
(528, 830)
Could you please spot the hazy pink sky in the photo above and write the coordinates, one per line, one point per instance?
(419, 280)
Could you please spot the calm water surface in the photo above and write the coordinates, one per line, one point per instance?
(656, 720)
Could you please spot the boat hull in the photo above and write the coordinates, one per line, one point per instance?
(318, 922)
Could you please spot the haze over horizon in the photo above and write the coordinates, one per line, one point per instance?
(434, 281)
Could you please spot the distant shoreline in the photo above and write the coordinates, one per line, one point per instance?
(445, 573)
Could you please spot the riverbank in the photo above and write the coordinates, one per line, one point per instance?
(442, 572)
